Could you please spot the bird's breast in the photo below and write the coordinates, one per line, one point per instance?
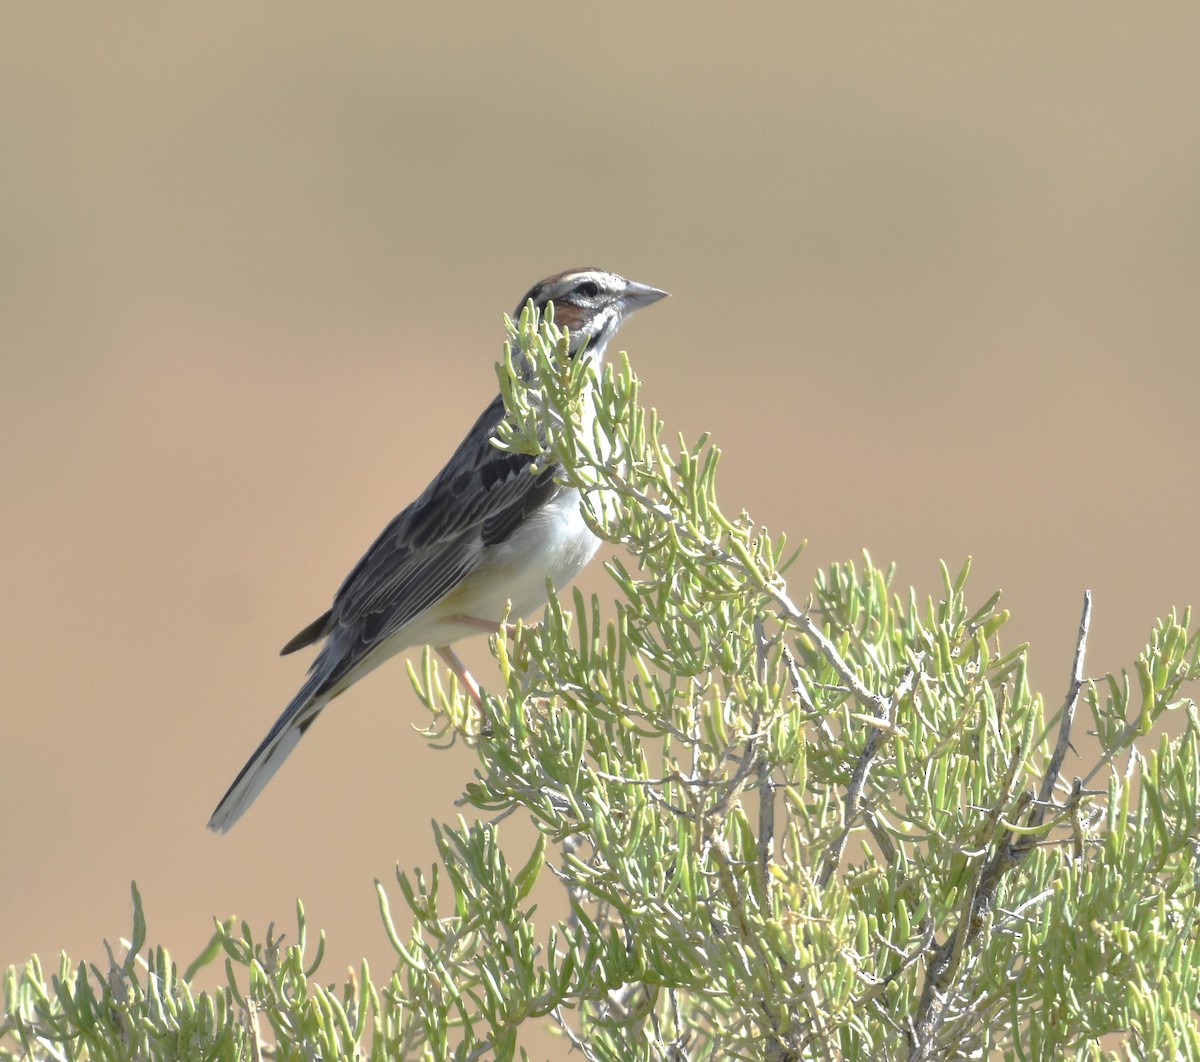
(553, 543)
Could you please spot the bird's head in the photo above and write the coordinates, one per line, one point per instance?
(591, 303)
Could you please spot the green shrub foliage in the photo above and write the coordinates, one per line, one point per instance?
(832, 827)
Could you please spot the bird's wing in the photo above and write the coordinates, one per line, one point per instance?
(477, 500)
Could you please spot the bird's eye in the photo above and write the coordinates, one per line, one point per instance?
(589, 289)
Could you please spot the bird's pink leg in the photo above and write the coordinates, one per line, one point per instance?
(460, 669)
(455, 663)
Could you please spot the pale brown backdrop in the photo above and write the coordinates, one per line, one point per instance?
(936, 291)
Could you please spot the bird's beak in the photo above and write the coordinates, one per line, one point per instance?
(636, 295)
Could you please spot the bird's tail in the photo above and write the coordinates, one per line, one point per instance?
(289, 728)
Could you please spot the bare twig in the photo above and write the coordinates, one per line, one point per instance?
(858, 779)
(257, 1046)
(937, 993)
(577, 1043)
(766, 787)
(1068, 715)
(875, 701)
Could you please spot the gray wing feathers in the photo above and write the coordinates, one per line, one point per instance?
(314, 632)
(352, 640)
(435, 543)
(423, 554)
(289, 728)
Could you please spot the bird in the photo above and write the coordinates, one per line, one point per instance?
(478, 544)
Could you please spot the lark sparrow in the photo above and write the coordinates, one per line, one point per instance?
(485, 533)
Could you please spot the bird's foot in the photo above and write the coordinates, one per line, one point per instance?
(455, 663)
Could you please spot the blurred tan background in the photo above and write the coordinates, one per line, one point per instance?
(936, 279)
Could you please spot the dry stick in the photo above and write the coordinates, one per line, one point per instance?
(875, 701)
(1006, 855)
(947, 958)
(858, 779)
(766, 787)
(881, 708)
(1068, 715)
(258, 1047)
(773, 1003)
(1123, 742)
(575, 1040)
